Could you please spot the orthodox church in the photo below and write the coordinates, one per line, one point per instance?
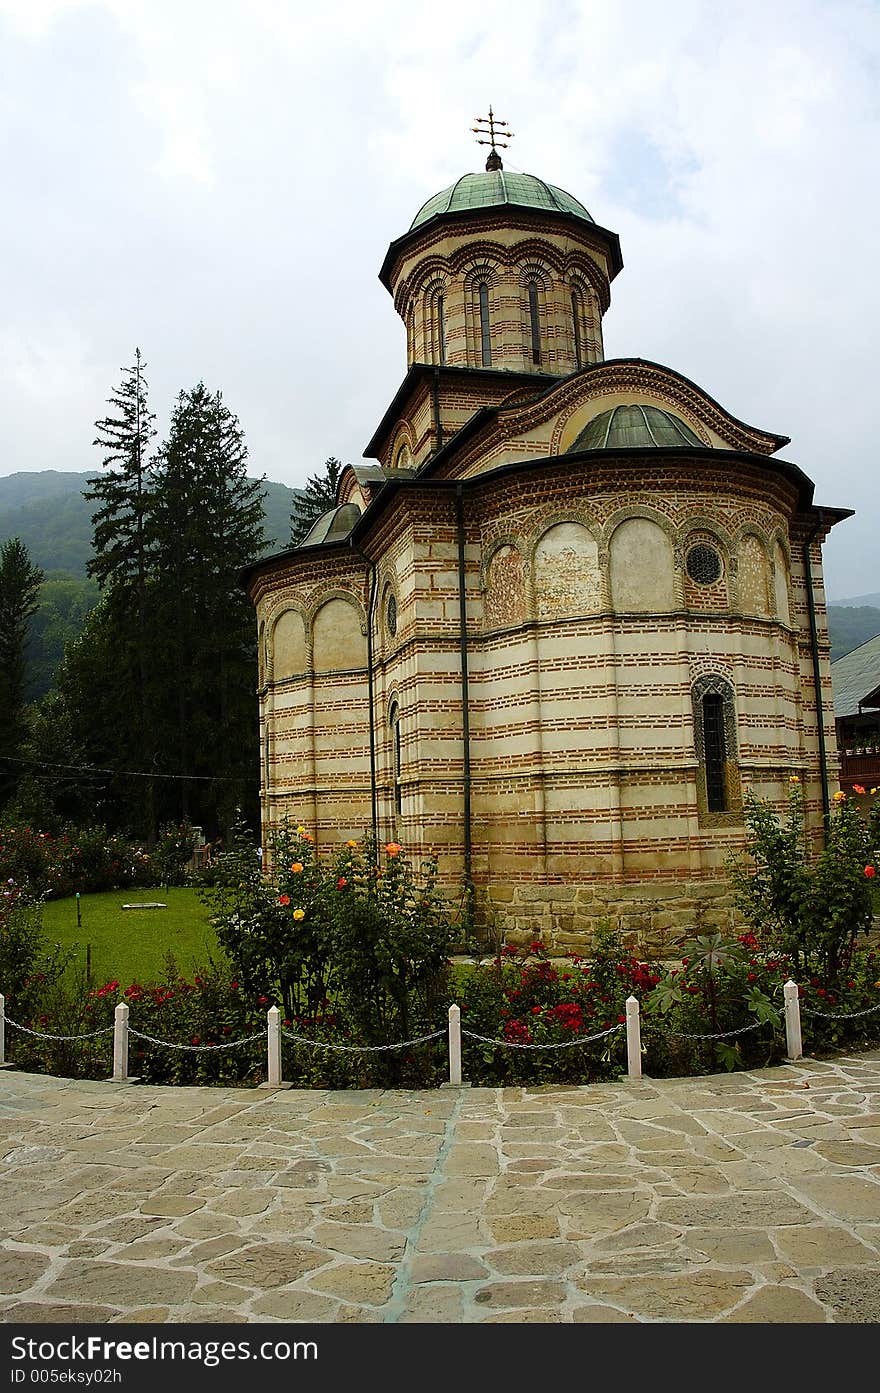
(567, 612)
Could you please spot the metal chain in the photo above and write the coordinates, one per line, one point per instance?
(360, 1049)
(838, 1015)
(724, 1035)
(197, 1049)
(561, 1045)
(43, 1035)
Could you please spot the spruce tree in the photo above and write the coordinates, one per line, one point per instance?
(208, 525)
(121, 560)
(318, 497)
(20, 582)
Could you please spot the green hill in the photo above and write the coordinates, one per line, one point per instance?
(851, 625)
(48, 512)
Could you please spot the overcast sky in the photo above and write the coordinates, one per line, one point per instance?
(217, 182)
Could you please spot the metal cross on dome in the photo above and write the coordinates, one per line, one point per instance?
(495, 128)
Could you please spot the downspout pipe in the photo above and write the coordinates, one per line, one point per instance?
(438, 422)
(817, 681)
(371, 600)
(465, 696)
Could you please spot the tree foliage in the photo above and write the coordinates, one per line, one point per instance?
(20, 582)
(318, 497)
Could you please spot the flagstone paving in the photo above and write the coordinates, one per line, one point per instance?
(742, 1197)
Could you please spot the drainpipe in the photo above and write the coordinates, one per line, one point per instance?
(814, 650)
(374, 796)
(465, 705)
(438, 424)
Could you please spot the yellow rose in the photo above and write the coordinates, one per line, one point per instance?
(351, 844)
(840, 796)
(299, 914)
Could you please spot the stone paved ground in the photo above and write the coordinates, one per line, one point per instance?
(746, 1197)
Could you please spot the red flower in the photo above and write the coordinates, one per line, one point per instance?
(341, 883)
(284, 899)
(857, 788)
(870, 872)
(536, 1010)
(196, 1040)
(262, 1000)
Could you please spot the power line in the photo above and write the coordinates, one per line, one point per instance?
(127, 773)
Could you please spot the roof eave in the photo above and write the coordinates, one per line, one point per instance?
(400, 244)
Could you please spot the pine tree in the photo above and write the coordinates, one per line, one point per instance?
(121, 561)
(20, 582)
(318, 497)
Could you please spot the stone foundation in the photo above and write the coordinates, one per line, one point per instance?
(653, 918)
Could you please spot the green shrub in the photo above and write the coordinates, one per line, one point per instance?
(811, 910)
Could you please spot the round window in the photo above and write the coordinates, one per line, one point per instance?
(703, 565)
(392, 615)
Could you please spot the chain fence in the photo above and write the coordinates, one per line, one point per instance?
(274, 1033)
(839, 1015)
(361, 1049)
(196, 1049)
(556, 1045)
(44, 1035)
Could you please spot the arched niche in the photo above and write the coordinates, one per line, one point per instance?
(567, 577)
(505, 588)
(780, 581)
(641, 563)
(337, 641)
(754, 577)
(289, 652)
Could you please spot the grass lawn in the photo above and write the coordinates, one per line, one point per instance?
(131, 944)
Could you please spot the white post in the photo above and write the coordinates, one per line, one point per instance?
(454, 1045)
(2, 1029)
(793, 1045)
(273, 1018)
(120, 1043)
(633, 1039)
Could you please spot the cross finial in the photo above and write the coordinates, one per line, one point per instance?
(493, 127)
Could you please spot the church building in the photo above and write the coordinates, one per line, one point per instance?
(565, 615)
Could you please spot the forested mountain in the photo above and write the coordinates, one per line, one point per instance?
(48, 511)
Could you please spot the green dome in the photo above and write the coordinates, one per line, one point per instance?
(634, 427)
(497, 186)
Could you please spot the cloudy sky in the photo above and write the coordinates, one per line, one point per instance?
(217, 181)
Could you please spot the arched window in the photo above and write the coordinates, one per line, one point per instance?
(534, 321)
(485, 342)
(715, 741)
(396, 761)
(714, 752)
(441, 329)
(576, 325)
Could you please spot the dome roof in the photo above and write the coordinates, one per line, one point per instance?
(497, 186)
(635, 427)
(332, 526)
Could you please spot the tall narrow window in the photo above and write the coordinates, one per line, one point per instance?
(396, 759)
(486, 345)
(576, 322)
(535, 321)
(715, 751)
(441, 329)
